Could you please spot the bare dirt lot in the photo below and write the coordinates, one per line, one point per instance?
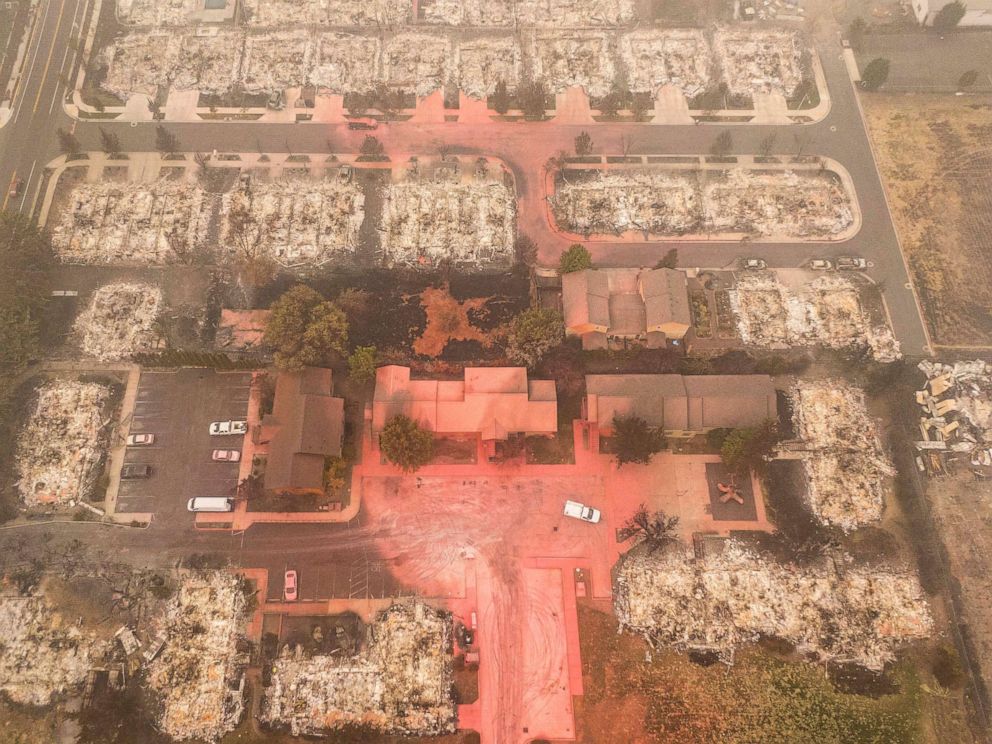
(935, 155)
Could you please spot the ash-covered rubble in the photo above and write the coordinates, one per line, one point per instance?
(157, 12)
(575, 58)
(119, 321)
(132, 223)
(343, 63)
(276, 13)
(400, 683)
(482, 63)
(608, 203)
(61, 448)
(759, 60)
(294, 221)
(417, 62)
(679, 57)
(468, 224)
(140, 62)
(276, 61)
(847, 472)
(199, 675)
(781, 203)
(956, 410)
(826, 312)
(559, 13)
(493, 13)
(43, 653)
(835, 611)
(209, 64)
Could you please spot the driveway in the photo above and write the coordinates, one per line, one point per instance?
(178, 407)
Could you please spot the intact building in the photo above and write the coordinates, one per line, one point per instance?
(489, 404)
(977, 12)
(611, 308)
(681, 406)
(306, 427)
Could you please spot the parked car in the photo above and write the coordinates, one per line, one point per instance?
(289, 586)
(140, 440)
(755, 264)
(223, 428)
(580, 511)
(821, 264)
(363, 124)
(15, 187)
(210, 504)
(226, 456)
(852, 263)
(132, 471)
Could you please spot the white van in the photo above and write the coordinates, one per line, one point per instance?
(210, 504)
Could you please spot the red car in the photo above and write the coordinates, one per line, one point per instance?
(220, 455)
(289, 587)
(15, 187)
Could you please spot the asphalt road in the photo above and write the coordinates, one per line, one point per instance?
(29, 139)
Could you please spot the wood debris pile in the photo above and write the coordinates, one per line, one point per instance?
(467, 224)
(847, 472)
(275, 13)
(343, 63)
(780, 203)
(759, 60)
(679, 57)
(120, 321)
(575, 58)
(835, 611)
(956, 409)
(482, 63)
(61, 448)
(199, 673)
(42, 653)
(661, 203)
(294, 221)
(401, 683)
(134, 223)
(826, 312)
(276, 61)
(417, 62)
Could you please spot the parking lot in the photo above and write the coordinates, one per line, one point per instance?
(178, 407)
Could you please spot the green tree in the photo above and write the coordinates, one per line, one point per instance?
(404, 443)
(110, 143)
(875, 74)
(722, 145)
(634, 440)
(68, 143)
(856, 31)
(500, 98)
(653, 530)
(533, 334)
(165, 141)
(305, 329)
(372, 149)
(361, 364)
(949, 16)
(744, 450)
(967, 79)
(583, 144)
(670, 260)
(576, 258)
(533, 97)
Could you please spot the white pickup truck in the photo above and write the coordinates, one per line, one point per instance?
(580, 511)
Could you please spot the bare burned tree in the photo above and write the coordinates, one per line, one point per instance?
(654, 530)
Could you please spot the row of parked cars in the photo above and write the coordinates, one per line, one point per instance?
(842, 263)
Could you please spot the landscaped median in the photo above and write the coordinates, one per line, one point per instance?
(694, 198)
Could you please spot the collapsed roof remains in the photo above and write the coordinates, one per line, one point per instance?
(573, 58)
(469, 224)
(846, 470)
(42, 653)
(826, 312)
(268, 13)
(834, 611)
(119, 321)
(199, 673)
(400, 683)
(759, 60)
(60, 450)
(131, 223)
(656, 57)
(483, 63)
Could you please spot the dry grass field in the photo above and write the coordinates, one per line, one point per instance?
(935, 155)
